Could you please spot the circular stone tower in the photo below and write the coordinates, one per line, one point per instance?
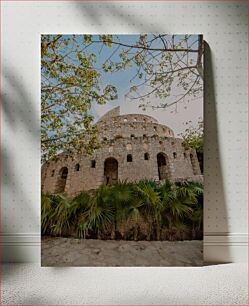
(133, 147)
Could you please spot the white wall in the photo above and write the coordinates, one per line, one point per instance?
(224, 25)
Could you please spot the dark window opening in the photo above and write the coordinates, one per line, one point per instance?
(132, 135)
(77, 167)
(53, 171)
(93, 163)
(146, 156)
(111, 171)
(129, 158)
(174, 154)
(61, 180)
(200, 160)
(163, 171)
(185, 155)
(64, 173)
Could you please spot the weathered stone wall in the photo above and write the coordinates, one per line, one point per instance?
(117, 130)
(138, 146)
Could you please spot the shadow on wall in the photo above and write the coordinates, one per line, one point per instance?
(214, 194)
(15, 111)
(124, 16)
(21, 136)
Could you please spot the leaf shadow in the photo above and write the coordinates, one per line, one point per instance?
(21, 137)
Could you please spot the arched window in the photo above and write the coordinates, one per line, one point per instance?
(146, 156)
(52, 173)
(129, 158)
(163, 166)
(111, 171)
(61, 181)
(132, 135)
(185, 155)
(64, 173)
(77, 167)
(174, 154)
(144, 136)
(93, 164)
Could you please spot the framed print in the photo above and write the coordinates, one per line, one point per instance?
(122, 150)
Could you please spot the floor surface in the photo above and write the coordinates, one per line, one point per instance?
(31, 284)
(56, 251)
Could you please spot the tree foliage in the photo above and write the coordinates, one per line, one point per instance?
(193, 136)
(72, 67)
(69, 85)
(161, 63)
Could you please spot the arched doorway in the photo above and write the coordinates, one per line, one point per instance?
(111, 171)
(163, 166)
(62, 179)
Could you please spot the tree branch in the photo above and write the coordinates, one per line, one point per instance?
(183, 96)
(145, 48)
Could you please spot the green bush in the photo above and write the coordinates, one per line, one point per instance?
(170, 211)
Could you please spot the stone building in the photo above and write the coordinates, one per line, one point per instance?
(134, 147)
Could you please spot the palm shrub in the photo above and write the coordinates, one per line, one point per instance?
(179, 201)
(61, 216)
(55, 213)
(171, 208)
(147, 199)
(132, 216)
(196, 219)
(120, 200)
(80, 206)
(46, 212)
(100, 211)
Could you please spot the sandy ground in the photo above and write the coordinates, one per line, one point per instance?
(89, 252)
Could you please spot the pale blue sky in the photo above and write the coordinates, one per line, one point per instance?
(189, 109)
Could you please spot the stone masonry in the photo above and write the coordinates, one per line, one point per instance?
(134, 147)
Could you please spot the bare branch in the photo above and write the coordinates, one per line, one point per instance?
(147, 48)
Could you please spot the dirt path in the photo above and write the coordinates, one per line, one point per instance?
(76, 252)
